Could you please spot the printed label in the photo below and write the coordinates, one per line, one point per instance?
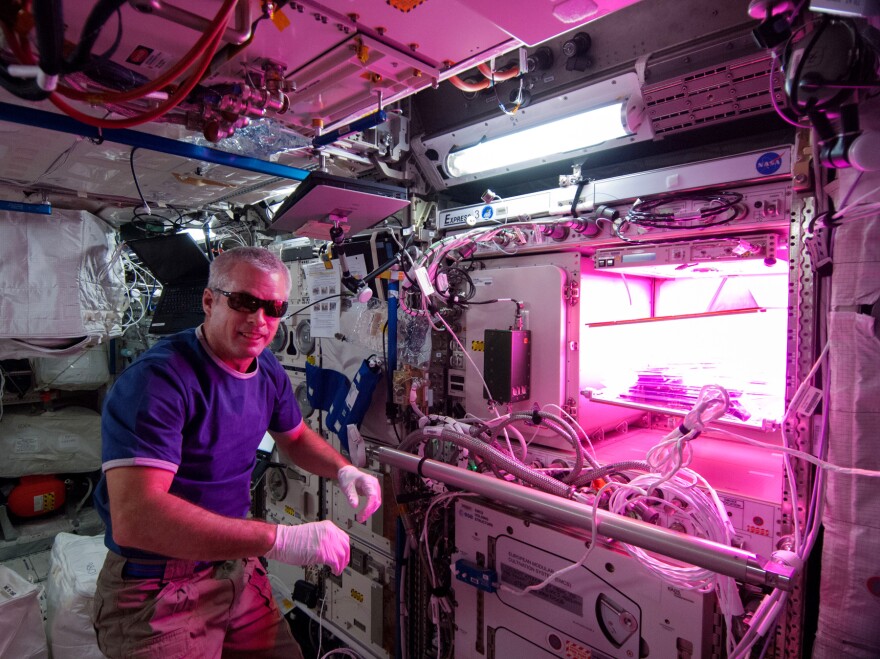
(26, 445)
(550, 593)
(68, 443)
(352, 396)
(730, 502)
(148, 58)
(460, 218)
(808, 402)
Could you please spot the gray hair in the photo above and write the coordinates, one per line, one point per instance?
(258, 257)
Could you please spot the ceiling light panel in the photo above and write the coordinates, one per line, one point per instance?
(618, 101)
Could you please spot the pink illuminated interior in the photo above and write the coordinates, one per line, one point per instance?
(654, 343)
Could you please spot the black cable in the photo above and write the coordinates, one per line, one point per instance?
(791, 118)
(152, 223)
(206, 230)
(616, 227)
(114, 76)
(515, 105)
(824, 85)
(184, 221)
(323, 299)
(517, 314)
(107, 54)
(141, 214)
(410, 279)
(399, 223)
(721, 204)
(799, 69)
(26, 89)
(134, 176)
(582, 183)
(460, 287)
(49, 26)
(98, 17)
(389, 383)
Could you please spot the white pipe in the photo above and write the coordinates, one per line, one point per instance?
(714, 556)
(237, 34)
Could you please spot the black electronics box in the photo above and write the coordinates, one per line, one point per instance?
(305, 592)
(507, 364)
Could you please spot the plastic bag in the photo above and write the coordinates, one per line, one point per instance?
(60, 287)
(21, 622)
(73, 576)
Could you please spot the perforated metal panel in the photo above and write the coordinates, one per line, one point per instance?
(711, 95)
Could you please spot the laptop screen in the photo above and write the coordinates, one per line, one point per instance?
(179, 264)
(172, 258)
(266, 446)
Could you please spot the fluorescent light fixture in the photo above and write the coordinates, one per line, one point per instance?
(569, 134)
(567, 127)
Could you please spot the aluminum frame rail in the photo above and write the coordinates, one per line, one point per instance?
(719, 558)
(29, 116)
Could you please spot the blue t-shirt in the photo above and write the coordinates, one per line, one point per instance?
(180, 408)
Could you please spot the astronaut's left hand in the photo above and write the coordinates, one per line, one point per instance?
(354, 483)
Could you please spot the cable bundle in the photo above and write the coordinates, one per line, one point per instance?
(718, 208)
(674, 452)
(50, 34)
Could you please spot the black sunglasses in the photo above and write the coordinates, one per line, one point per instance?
(239, 301)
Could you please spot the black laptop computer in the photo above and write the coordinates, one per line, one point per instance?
(181, 267)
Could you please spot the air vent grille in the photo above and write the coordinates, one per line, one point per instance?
(712, 95)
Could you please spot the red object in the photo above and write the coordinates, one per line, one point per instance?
(36, 495)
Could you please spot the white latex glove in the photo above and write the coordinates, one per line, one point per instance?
(307, 544)
(353, 482)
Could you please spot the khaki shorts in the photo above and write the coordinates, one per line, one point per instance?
(191, 610)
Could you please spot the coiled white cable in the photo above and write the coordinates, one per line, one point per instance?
(703, 511)
(674, 452)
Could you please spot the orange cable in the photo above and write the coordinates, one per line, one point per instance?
(218, 25)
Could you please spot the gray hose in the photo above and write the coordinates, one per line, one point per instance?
(560, 426)
(498, 458)
(495, 457)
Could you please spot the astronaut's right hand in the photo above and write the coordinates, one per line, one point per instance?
(308, 544)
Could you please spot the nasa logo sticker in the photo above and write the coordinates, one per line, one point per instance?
(769, 163)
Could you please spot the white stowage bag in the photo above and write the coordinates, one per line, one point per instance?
(60, 288)
(66, 441)
(21, 622)
(74, 565)
(87, 370)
